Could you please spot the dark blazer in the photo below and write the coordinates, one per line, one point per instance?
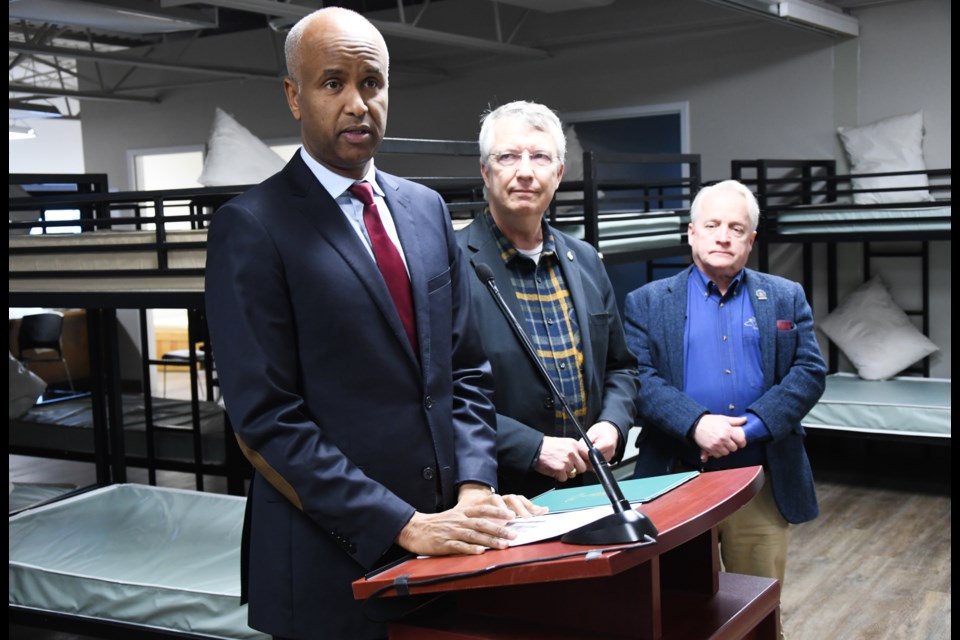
(524, 402)
(348, 429)
(793, 379)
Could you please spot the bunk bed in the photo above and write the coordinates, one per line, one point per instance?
(806, 203)
(136, 250)
(634, 207)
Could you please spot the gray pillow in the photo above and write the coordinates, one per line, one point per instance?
(875, 334)
(892, 144)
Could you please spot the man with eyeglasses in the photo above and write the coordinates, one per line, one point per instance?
(557, 287)
(729, 365)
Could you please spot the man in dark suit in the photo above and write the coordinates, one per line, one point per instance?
(729, 365)
(347, 354)
(557, 287)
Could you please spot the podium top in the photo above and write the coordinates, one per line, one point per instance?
(680, 515)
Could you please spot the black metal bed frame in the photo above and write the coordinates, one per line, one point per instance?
(812, 186)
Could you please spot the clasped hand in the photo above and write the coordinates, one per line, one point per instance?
(718, 435)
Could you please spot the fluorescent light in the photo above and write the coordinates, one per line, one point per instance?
(20, 110)
(20, 132)
(819, 17)
(804, 14)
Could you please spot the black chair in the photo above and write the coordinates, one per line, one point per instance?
(39, 340)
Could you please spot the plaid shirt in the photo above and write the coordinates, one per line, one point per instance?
(551, 321)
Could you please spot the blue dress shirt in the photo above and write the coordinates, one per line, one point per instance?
(722, 365)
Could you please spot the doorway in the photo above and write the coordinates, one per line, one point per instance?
(661, 128)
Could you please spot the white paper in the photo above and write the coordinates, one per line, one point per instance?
(553, 525)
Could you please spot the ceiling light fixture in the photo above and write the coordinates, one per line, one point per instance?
(20, 110)
(807, 14)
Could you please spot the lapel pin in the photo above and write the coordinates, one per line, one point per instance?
(570, 255)
(761, 294)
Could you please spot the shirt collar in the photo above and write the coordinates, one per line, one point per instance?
(335, 184)
(708, 287)
(508, 252)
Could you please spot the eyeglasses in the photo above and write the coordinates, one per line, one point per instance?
(512, 158)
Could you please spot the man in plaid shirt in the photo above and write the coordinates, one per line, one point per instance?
(558, 289)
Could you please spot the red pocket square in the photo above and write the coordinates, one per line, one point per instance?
(784, 325)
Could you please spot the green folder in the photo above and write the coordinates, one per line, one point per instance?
(636, 490)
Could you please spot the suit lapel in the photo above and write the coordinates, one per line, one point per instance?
(486, 251)
(675, 321)
(573, 278)
(325, 215)
(764, 307)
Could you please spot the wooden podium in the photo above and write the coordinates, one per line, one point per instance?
(671, 589)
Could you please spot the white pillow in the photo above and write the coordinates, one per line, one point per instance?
(892, 144)
(235, 156)
(25, 387)
(572, 171)
(875, 334)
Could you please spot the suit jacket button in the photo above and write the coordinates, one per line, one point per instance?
(428, 402)
(427, 473)
(548, 402)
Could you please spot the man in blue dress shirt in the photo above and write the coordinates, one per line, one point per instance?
(729, 365)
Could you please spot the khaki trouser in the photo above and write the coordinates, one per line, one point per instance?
(753, 541)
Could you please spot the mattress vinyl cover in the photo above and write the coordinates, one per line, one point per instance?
(68, 425)
(900, 406)
(657, 229)
(165, 558)
(98, 266)
(822, 221)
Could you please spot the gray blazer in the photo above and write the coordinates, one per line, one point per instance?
(793, 375)
(524, 402)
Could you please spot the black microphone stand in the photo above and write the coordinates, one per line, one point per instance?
(625, 524)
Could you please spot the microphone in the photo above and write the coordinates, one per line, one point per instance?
(625, 524)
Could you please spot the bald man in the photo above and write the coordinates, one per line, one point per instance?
(348, 356)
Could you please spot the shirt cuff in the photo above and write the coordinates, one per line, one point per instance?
(755, 429)
(536, 456)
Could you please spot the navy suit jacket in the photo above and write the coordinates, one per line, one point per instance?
(349, 431)
(524, 402)
(793, 380)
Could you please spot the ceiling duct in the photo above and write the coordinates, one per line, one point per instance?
(118, 16)
(806, 14)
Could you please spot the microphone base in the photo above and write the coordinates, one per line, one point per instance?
(617, 528)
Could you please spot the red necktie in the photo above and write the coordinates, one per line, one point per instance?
(389, 260)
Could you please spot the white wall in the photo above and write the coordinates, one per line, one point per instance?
(58, 148)
(905, 66)
(762, 90)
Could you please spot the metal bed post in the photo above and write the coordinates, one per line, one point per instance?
(114, 396)
(192, 319)
(101, 432)
(834, 356)
(761, 193)
(591, 203)
(148, 434)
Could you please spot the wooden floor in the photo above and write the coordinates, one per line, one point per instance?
(875, 565)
